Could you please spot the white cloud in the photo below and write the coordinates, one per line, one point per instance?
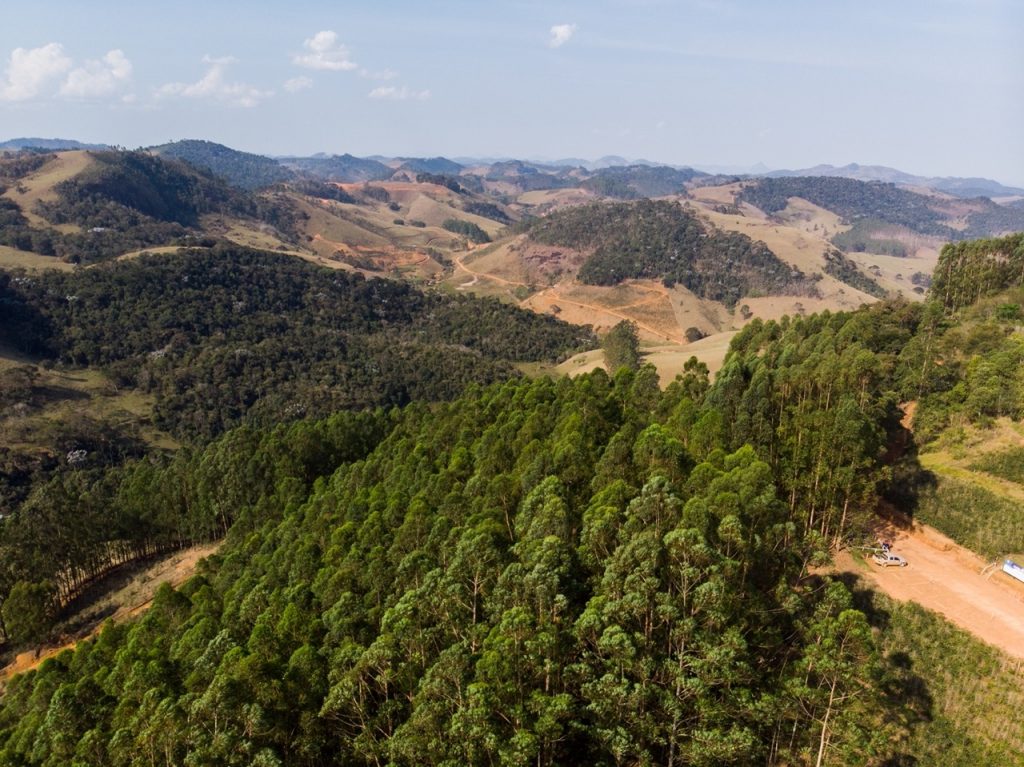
(297, 84)
(393, 93)
(214, 86)
(323, 51)
(98, 78)
(560, 35)
(31, 70)
(384, 74)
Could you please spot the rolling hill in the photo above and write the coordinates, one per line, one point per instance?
(833, 243)
(958, 187)
(48, 144)
(572, 567)
(240, 169)
(343, 168)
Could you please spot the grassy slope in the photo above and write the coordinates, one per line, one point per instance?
(10, 258)
(976, 692)
(71, 393)
(39, 186)
(978, 509)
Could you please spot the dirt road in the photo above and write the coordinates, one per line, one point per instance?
(970, 592)
(130, 601)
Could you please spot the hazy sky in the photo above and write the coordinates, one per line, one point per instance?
(934, 87)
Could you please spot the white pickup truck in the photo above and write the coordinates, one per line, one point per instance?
(888, 559)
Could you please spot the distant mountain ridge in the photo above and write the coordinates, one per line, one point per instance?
(956, 186)
(345, 168)
(50, 144)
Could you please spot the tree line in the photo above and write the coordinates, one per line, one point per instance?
(542, 572)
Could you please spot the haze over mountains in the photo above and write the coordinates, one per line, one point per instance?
(804, 242)
(346, 167)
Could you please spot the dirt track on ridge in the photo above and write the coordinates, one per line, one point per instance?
(954, 582)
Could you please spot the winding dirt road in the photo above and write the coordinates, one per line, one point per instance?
(954, 582)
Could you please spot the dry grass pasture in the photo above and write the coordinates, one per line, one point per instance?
(39, 186)
(11, 258)
(668, 359)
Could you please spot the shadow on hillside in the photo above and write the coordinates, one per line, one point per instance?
(910, 482)
(906, 700)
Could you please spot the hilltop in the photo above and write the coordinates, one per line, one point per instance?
(240, 169)
(48, 144)
(834, 243)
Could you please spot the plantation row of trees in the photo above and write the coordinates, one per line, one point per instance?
(659, 239)
(81, 524)
(968, 271)
(539, 573)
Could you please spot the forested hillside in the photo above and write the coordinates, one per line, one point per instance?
(339, 168)
(851, 199)
(875, 204)
(651, 239)
(125, 201)
(587, 571)
(223, 334)
(240, 169)
(545, 572)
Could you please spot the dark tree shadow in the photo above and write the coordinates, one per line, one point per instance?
(906, 699)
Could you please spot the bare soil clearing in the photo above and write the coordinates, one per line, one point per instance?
(121, 604)
(954, 582)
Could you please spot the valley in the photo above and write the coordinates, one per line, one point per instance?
(374, 393)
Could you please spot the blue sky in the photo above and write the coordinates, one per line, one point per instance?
(934, 87)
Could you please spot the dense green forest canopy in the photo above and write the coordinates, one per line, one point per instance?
(540, 573)
(221, 334)
(660, 239)
(240, 169)
(586, 571)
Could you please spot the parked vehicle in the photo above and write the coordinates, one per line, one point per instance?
(888, 559)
